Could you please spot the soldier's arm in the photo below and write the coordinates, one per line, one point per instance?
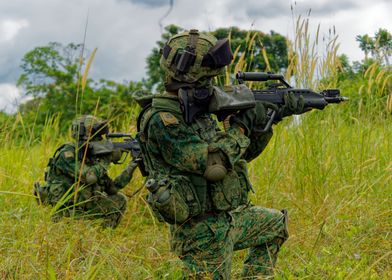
(126, 175)
(181, 147)
(258, 142)
(254, 121)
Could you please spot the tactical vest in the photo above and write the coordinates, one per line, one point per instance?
(188, 195)
(55, 184)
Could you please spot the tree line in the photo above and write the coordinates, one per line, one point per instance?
(52, 75)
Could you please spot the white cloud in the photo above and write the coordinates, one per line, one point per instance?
(10, 97)
(10, 28)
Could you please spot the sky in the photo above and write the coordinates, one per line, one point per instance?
(125, 31)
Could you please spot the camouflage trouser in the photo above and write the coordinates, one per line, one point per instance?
(206, 247)
(90, 204)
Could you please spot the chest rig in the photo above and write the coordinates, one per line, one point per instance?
(199, 195)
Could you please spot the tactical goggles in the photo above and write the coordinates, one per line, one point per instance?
(218, 55)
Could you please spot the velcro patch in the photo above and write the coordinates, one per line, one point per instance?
(168, 118)
(68, 154)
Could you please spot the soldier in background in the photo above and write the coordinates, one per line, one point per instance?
(76, 181)
(198, 180)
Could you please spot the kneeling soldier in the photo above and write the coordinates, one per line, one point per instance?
(76, 179)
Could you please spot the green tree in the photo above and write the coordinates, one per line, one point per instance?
(366, 44)
(383, 45)
(379, 46)
(50, 74)
(252, 43)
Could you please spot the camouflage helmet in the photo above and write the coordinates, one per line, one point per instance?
(192, 57)
(87, 126)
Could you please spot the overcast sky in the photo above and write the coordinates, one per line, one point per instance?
(125, 31)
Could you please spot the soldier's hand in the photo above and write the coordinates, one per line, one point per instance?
(293, 105)
(108, 184)
(115, 156)
(131, 166)
(110, 187)
(251, 118)
(104, 161)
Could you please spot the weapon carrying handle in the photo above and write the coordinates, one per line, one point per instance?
(260, 77)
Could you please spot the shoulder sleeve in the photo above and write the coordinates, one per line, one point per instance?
(176, 143)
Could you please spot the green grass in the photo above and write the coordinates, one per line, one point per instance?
(332, 172)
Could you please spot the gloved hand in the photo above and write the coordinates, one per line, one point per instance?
(104, 161)
(293, 105)
(251, 118)
(115, 156)
(131, 167)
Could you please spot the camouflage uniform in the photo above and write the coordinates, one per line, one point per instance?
(198, 179)
(84, 188)
(223, 220)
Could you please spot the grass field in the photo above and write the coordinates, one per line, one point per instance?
(332, 171)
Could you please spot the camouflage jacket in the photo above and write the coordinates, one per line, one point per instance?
(175, 149)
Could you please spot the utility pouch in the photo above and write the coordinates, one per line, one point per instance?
(226, 194)
(173, 208)
(150, 201)
(173, 198)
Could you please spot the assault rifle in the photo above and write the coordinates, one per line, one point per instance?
(230, 99)
(276, 91)
(129, 145)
